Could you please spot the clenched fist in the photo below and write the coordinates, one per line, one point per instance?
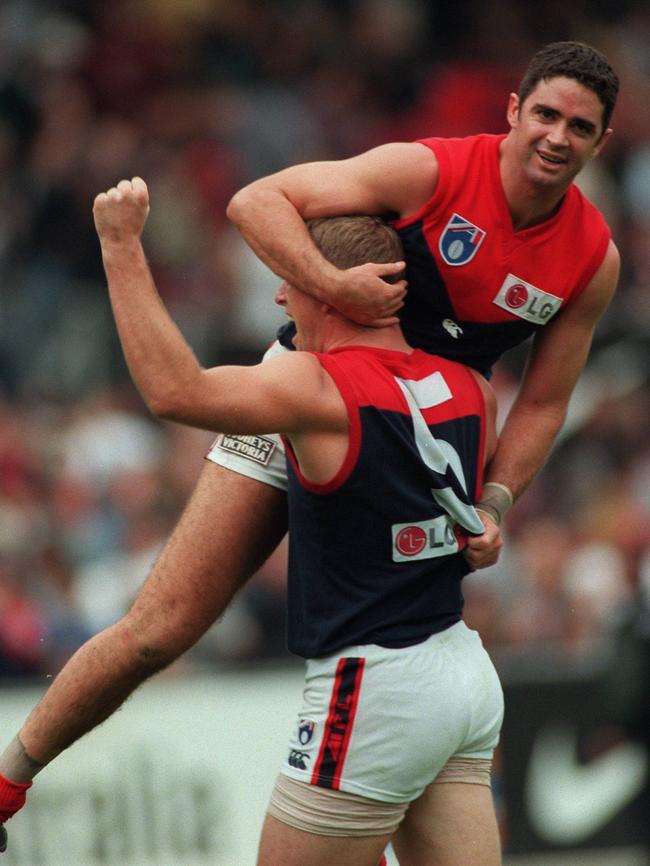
(483, 550)
(121, 213)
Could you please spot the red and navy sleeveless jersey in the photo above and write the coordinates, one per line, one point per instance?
(476, 287)
(373, 555)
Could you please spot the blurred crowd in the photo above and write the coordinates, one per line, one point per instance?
(200, 97)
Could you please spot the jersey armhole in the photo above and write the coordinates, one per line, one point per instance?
(354, 432)
(594, 263)
(437, 147)
(482, 419)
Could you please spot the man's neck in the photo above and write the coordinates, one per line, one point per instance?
(390, 338)
(529, 203)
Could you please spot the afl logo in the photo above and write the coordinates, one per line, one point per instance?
(460, 240)
(411, 541)
(517, 296)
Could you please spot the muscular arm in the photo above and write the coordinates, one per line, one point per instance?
(291, 393)
(270, 214)
(557, 358)
(556, 361)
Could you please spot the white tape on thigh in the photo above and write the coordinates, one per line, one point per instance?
(327, 812)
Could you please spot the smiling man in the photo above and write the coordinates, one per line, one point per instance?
(499, 244)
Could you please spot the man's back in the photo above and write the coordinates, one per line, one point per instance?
(373, 554)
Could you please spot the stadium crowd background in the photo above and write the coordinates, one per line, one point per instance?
(199, 97)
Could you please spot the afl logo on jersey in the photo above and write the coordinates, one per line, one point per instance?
(411, 541)
(460, 240)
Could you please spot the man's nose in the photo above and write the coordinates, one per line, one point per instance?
(557, 135)
(281, 295)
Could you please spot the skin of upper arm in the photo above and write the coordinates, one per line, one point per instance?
(397, 177)
(290, 393)
(490, 402)
(560, 349)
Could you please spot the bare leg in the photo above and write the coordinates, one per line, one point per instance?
(282, 845)
(229, 527)
(450, 824)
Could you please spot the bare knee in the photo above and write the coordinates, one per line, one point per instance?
(148, 641)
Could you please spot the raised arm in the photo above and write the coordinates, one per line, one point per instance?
(556, 361)
(270, 213)
(271, 397)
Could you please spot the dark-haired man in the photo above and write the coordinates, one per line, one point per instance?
(499, 245)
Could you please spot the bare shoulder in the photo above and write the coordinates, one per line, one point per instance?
(602, 286)
(299, 380)
(607, 274)
(294, 369)
(406, 172)
(486, 390)
(398, 177)
(560, 349)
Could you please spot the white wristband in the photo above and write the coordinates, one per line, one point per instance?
(495, 500)
(17, 765)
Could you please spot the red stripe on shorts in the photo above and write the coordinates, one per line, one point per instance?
(340, 721)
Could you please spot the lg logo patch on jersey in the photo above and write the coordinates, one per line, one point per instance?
(425, 539)
(460, 241)
(527, 301)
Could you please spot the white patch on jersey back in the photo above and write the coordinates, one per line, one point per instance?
(428, 392)
(453, 458)
(452, 328)
(434, 456)
(526, 301)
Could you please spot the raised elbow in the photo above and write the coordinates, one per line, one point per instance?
(165, 405)
(252, 202)
(239, 204)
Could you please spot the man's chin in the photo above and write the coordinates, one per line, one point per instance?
(546, 176)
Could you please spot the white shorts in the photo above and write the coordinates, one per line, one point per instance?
(260, 457)
(383, 723)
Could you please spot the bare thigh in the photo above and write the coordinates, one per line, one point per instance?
(282, 845)
(228, 529)
(450, 825)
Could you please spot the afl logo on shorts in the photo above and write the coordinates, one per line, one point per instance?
(411, 541)
(460, 240)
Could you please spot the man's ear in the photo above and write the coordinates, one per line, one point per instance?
(602, 141)
(513, 110)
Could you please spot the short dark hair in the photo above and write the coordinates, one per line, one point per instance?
(348, 241)
(573, 60)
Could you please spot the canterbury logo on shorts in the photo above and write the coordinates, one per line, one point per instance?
(259, 449)
(340, 721)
